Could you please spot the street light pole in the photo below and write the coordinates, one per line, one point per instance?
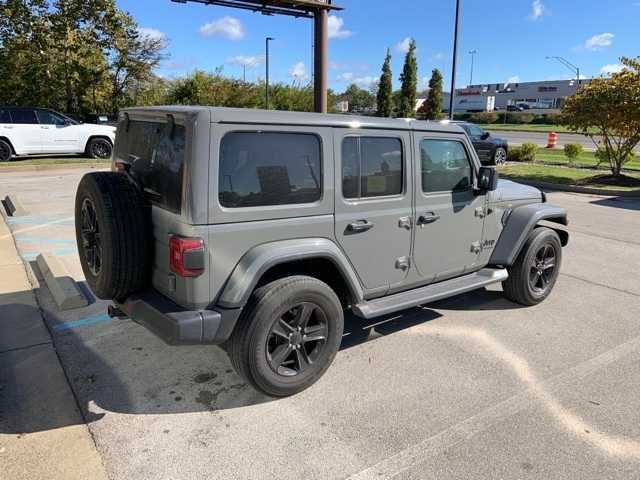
(455, 58)
(473, 55)
(570, 66)
(266, 86)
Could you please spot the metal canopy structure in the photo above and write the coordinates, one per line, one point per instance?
(316, 9)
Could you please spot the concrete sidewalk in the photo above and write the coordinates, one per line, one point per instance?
(42, 433)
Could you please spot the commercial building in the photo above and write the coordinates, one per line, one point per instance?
(546, 95)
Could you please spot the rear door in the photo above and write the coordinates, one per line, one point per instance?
(24, 131)
(374, 204)
(58, 135)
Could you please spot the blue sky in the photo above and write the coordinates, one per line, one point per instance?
(512, 38)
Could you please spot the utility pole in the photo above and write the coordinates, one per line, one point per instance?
(570, 66)
(473, 55)
(321, 60)
(266, 85)
(455, 58)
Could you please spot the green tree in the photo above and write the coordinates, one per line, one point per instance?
(409, 81)
(432, 107)
(610, 107)
(385, 89)
(358, 98)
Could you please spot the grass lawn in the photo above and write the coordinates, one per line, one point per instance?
(527, 128)
(27, 161)
(570, 176)
(586, 159)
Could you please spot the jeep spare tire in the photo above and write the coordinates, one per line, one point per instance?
(113, 233)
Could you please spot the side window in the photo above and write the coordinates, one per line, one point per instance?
(371, 167)
(445, 166)
(46, 117)
(24, 115)
(5, 116)
(269, 168)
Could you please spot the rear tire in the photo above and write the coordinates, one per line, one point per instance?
(6, 152)
(113, 234)
(288, 335)
(534, 273)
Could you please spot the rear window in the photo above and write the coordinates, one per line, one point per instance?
(5, 116)
(24, 116)
(157, 158)
(269, 168)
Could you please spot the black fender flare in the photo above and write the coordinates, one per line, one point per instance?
(519, 224)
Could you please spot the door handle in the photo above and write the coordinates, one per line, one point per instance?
(359, 226)
(429, 217)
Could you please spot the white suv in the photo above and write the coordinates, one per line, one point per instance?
(39, 131)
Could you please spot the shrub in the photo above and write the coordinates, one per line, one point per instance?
(603, 157)
(514, 155)
(547, 119)
(572, 151)
(484, 117)
(528, 152)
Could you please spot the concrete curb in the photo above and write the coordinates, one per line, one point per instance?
(574, 188)
(55, 166)
(13, 206)
(63, 288)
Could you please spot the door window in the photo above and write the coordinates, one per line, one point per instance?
(473, 130)
(269, 168)
(445, 166)
(5, 116)
(25, 116)
(47, 117)
(371, 167)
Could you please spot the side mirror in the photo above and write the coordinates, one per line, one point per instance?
(485, 135)
(487, 179)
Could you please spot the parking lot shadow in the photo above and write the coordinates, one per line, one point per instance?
(117, 366)
(627, 203)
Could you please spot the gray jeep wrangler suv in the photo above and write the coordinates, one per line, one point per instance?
(256, 230)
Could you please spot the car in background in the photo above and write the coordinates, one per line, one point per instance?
(491, 150)
(515, 108)
(28, 131)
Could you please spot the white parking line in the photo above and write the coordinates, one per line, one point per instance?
(610, 445)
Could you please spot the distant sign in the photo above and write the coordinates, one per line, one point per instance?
(547, 89)
(469, 93)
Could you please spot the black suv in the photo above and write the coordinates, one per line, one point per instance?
(491, 150)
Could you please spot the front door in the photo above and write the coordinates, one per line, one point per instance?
(449, 214)
(373, 204)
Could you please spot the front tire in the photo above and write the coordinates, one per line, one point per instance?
(500, 156)
(6, 152)
(534, 273)
(99, 148)
(288, 335)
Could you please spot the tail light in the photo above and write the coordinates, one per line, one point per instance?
(186, 256)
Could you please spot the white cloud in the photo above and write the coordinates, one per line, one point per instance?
(345, 77)
(611, 68)
(335, 28)
(512, 80)
(151, 33)
(538, 9)
(247, 61)
(598, 42)
(438, 56)
(366, 81)
(299, 72)
(403, 46)
(226, 27)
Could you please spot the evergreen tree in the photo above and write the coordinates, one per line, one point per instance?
(409, 79)
(385, 89)
(432, 107)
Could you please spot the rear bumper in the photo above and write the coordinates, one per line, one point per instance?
(177, 326)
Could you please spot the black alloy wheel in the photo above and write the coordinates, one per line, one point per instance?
(91, 237)
(296, 339)
(542, 270)
(5, 151)
(100, 148)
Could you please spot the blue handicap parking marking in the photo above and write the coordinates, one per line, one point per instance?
(83, 322)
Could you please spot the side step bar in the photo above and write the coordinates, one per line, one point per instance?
(430, 293)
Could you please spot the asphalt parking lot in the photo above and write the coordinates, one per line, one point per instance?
(470, 387)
